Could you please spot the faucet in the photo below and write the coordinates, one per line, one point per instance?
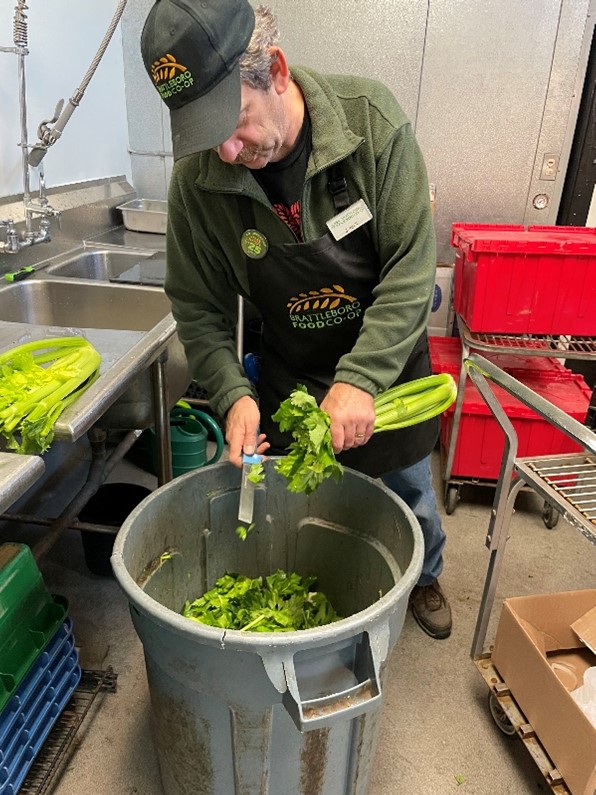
(46, 135)
(32, 207)
(41, 206)
(12, 238)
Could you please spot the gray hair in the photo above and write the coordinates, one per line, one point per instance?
(255, 64)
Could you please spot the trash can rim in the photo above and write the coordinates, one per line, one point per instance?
(344, 628)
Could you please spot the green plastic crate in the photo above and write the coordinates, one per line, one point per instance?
(29, 616)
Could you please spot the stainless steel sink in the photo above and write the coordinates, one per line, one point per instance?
(83, 304)
(130, 326)
(107, 264)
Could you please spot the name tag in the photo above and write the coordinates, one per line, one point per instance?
(348, 220)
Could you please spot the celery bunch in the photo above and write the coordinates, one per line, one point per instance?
(414, 402)
(38, 380)
(311, 459)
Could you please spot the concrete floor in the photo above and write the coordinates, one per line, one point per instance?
(435, 724)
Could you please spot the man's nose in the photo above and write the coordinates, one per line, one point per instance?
(229, 150)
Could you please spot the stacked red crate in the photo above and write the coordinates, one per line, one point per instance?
(512, 280)
(480, 440)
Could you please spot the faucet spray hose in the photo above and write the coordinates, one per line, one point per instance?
(19, 25)
(51, 135)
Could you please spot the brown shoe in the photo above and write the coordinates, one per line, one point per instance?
(431, 610)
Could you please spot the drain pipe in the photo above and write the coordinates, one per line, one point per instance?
(99, 469)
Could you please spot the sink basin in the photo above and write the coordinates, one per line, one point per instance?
(100, 264)
(129, 325)
(82, 304)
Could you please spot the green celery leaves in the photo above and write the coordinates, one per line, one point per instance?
(311, 458)
(281, 602)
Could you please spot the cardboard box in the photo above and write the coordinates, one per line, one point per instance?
(585, 629)
(440, 321)
(535, 633)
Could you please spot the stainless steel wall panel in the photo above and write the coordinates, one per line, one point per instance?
(484, 83)
(148, 117)
(150, 176)
(575, 31)
(383, 39)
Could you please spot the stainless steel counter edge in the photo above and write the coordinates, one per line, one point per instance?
(114, 380)
(93, 403)
(17, 474)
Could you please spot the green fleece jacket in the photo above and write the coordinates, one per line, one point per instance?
(356, 121)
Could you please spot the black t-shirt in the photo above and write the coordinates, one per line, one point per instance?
(283, 181)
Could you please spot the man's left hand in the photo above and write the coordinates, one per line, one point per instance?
(352, 414)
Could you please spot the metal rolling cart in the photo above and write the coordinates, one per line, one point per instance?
(568, 483)
(563, 346)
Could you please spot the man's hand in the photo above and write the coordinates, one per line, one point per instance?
(352, 414)
(242, 422)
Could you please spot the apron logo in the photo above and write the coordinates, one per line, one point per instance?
(254, 244)
(324, 308)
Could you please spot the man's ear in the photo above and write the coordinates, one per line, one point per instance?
(280, 71)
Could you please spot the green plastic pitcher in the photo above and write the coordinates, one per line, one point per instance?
(189, 430)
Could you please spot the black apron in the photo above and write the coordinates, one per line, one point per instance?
(312, 298)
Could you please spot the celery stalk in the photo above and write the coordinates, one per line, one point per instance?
(413, 402)
(33, 396)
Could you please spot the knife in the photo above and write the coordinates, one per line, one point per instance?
(247, 488)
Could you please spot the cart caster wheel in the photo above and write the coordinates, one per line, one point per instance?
(550, 516)
(451, 498)
(499, 716)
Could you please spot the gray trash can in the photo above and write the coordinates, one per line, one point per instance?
(250, 713)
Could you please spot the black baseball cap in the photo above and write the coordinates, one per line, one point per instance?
(191, 50)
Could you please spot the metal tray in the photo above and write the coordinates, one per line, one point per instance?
(145, 215)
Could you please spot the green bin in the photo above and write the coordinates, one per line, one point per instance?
(251, 713)
(29, 616)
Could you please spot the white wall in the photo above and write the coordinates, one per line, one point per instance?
(64, 37)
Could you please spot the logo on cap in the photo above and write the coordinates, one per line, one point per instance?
(169, 76)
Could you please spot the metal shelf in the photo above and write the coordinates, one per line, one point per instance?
(562, 345)
(566, 482)
(569, 482)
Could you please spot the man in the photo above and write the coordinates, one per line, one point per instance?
(266, 162)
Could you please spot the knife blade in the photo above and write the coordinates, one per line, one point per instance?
(247, 488)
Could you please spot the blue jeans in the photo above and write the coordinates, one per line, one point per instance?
(414, 485)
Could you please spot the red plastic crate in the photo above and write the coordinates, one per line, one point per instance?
(512, 280)
(480, 440)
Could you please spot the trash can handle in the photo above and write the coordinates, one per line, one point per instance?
(364, 696)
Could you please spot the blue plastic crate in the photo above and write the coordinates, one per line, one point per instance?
(30, 714)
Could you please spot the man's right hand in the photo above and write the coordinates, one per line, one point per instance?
(242, 423)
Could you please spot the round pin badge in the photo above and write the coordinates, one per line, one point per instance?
(254, 243)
